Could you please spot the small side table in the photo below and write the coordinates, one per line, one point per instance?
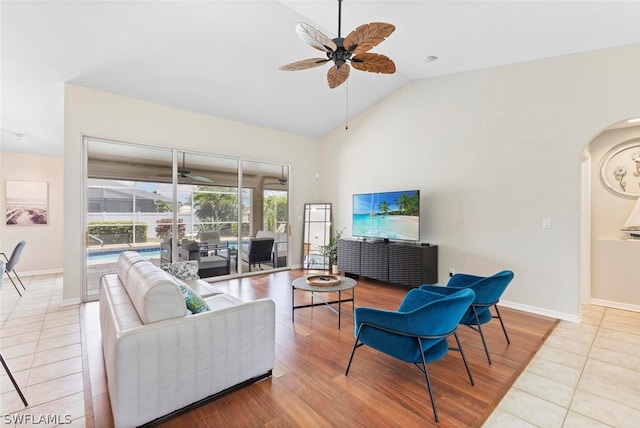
(345, 284)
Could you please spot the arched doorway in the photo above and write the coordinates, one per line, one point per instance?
(610, 188)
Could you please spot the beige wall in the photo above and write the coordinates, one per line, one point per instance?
(493, 152)
(100, 114)
(43, 252)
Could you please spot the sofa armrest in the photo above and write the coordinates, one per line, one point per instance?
(202, 288)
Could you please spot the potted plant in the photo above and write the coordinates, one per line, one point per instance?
(330, 251)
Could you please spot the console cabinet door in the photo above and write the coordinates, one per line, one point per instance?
(374, 262)
(349, 256)
(413, 266)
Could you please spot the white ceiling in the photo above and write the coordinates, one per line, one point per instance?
(221, 57)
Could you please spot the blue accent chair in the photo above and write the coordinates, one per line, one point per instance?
(488, 291)
(417, 332)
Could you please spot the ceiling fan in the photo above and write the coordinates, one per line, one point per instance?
(185, 174)
(354, 48)
(282, 181)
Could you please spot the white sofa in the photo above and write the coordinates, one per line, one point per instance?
(160, 359)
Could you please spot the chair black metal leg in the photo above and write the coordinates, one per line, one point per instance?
(484, 343)
(426, 376)
(14, 284)
(463, 358)
(502, 324)
(19, 280)
(353, 351)
(13, 381)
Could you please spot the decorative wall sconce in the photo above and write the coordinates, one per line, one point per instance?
(620, 170)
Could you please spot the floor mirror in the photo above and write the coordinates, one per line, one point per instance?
(316, 233)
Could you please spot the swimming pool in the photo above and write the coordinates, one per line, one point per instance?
(112, 256)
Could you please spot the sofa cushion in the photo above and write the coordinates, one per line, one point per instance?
(212, 237)
(193, 301)
(266, 234)
(154, 293)
(182, 270)
(189, 245)
(126, 259)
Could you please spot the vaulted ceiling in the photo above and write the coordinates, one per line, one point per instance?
(221, 58)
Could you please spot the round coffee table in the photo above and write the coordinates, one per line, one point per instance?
(345, 284)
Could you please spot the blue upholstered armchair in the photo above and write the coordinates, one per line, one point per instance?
(417, 332)
(488, 291)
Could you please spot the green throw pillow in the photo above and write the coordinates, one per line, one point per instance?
(195, 303)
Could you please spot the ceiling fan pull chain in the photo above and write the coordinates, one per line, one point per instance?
(346, 110)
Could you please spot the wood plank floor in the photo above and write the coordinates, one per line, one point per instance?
(308, 387)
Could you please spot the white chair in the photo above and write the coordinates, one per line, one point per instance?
(11, 264)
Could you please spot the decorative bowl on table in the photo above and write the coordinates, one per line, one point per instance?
(323, 280)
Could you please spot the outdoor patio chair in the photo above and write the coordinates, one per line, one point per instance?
(259, 251)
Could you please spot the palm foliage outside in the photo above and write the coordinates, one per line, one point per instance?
(275, 212)
(215, 208)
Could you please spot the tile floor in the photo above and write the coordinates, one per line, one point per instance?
(41, 343)
(585, 375)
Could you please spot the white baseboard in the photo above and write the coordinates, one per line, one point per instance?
(70, 302)
(576, 318)
(40, 272)
(616, 305)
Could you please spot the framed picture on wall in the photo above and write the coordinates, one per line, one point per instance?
(620, 170)
(26, 202)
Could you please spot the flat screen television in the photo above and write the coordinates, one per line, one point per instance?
(387, 215)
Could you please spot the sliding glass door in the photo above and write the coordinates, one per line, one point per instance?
(265, 216)
(129, 204)
(173, 205)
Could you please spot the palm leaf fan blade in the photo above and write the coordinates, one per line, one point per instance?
(315, 38)
(336, 76)
(304, 64)
(367, 36)
(373, 63)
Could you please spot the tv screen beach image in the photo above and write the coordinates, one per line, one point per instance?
(387, 215)
(26, 203)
